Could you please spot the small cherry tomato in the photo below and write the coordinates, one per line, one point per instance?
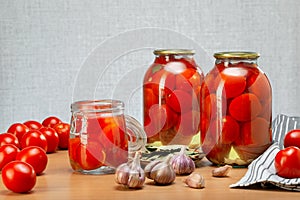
(287, 162)
(35, 156)
(51, 121)
(245, 107)
(188, 123)
(33, 125)
(34, 138)
(9, 138)
(51, 137)
(8, 153)
(18, 129)
(63, 131)
(18, 176)
(292, 138)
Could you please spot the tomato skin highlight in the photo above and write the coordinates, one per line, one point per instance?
(8, 153)
(18, 129)
(9, 138)
(34, 138)
(51, 137)
(63, 131)
(51, 121)
(35, 156)
(287, 162)
(18, 177)
(292, 138)
(33, 125)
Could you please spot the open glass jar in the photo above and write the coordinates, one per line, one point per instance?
(236, 109)
(171, 99)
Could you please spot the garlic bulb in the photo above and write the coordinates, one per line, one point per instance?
(221, 171)
(183, 164)
(195, 180)
(131, 174)
(161, 171)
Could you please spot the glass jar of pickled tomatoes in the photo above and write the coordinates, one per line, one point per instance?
(171, 95)
(236, 109)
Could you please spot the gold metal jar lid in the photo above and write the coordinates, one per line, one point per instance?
(174, 52)
(236, 55)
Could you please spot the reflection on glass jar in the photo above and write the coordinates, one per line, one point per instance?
(236, 109)
(171, 92)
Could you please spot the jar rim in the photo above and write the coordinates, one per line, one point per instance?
(104, 105)
(174, 52)
(236, 55)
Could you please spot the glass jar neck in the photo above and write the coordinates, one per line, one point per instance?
(99, 106)
(230, 62)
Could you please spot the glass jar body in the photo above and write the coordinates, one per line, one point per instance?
(171, 99)
(236, 111)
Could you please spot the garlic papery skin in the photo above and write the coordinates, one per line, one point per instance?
(131, 174)
(149, 167)
(195, 180)
(182, 164)
(122, 174)
(163, 173)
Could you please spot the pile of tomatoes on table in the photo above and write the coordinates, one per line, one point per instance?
(24, 148)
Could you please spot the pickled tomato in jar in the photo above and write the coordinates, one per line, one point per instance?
(236, 109)
(171, 99)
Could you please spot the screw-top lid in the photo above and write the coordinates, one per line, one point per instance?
(236, 55)
(174, 52)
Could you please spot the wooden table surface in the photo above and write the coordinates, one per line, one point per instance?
(60, 182)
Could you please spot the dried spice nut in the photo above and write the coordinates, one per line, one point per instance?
(221, 171)
(131, 174)
(195, 180)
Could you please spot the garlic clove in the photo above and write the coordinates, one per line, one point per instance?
(131, 174)
(183, 164)
(122, 174)
(163, 173)
(195, 180)
(149, 167)
(221, 171)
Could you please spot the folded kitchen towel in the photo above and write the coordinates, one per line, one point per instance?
(262, 170)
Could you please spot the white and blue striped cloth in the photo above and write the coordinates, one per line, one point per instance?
(262, 170)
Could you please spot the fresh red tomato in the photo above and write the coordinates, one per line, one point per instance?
(180, 101)
(34, 138)
(63, 131)
(51, 121)
(245, 107)
(18, 129)
(8, 153)
(33, 125)
(35, 156)
(51, 137)
(9, 138)
(18, 176)
(287, 162)
(90, 156)
(292, 138)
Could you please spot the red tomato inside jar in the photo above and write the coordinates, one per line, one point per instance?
(236, 109)
(171, 95)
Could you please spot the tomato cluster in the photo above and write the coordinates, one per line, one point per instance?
(287, 160)
(23, 151)
(235, 111)
(171, 100)
(103, 142)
